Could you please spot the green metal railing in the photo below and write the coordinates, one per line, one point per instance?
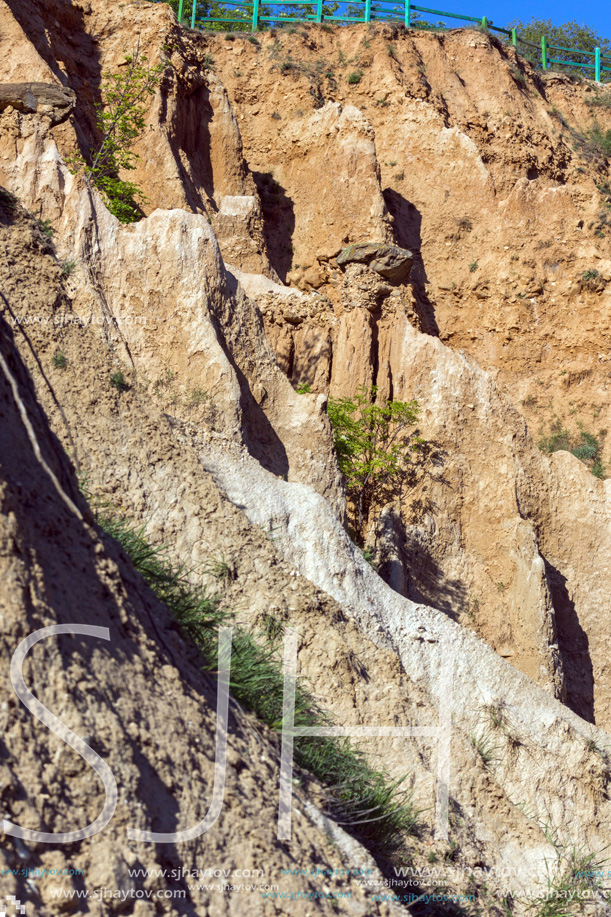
(259, 14)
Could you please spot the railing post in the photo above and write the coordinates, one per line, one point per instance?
(367, 10)
(318, 10)
(544, 52)
(514, 37)
(597, 64)
(408, 14)
(193, 14)
(181, 6)
(484, 23)
(255, 15)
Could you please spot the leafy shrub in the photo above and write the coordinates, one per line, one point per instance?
(374, 443)
(45, 227)
(355, 77)
(121, 121)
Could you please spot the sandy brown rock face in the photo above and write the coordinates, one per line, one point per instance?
(140, 699)
(481, 182)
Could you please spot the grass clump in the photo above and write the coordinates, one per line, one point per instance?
(68, 268)
(486, 749)
(59, 360)
(473, 266)
(355, 77)
(601, 139)
(117, 380)
(574, 885)
(585, 446)
(376, 809)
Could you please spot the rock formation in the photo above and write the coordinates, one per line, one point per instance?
(435, 230)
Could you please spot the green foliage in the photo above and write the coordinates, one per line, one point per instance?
(486, 748)
(572, 882)
(304, 388)
(68, 268)
(600, 138)
(584, 445)
(121, 121)
(59, 360)
(117, 380)
(590, 274)
(473, 266)
(369, 555)
(355, 77)
(375, 808)
(45, 227)
(569, 35)
(374, 443)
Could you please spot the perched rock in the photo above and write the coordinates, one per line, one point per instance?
(56, 102)
(390, 261)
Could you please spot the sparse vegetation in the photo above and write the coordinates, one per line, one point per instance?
(600, 138)
(585, 446)
(485, 747)
(45, 227)
(304, 388)
(369, 555)
(355, 77)
(464, 225)
(196, 397)
(375, 808)
(117, 380)
(68, 268)
(59, 360)
(473, 266)
(574, 884)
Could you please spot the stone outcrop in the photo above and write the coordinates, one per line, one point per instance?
(54, 102)
(390, 261)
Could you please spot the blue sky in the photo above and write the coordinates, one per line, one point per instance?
(596, 14)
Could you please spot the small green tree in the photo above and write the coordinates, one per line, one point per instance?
(121, 121)
(374, 442)
(569, 35)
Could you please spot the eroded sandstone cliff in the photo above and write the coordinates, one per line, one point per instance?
(261, 164)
